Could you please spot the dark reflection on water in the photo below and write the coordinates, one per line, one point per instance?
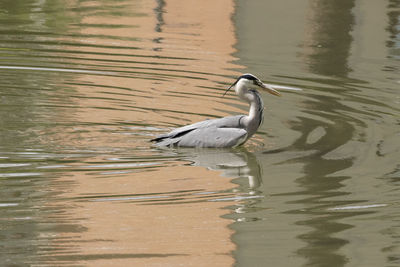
(319, 188)
(330, 38)
(334, 150)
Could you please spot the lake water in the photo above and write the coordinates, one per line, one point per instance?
(86, 84)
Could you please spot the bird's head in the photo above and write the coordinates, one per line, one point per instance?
(250, 81)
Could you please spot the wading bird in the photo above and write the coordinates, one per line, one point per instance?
(229, 131)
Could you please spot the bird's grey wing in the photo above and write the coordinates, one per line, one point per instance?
(227, 122)
(213, 137)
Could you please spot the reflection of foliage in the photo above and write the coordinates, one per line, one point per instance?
(15, 6)
(58, 16)
(36, 15)
(26, 27)
(394, 23)
(332, 22)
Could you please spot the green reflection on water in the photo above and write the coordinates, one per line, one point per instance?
(294, 223)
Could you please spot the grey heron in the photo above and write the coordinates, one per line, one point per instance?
(229, 131)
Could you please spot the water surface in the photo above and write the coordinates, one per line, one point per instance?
(86, 84)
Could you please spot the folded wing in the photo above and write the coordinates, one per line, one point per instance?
(224, 132)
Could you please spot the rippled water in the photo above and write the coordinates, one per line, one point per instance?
(86, 84)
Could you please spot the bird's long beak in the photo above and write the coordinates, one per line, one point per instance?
(272, 88)
(269, 89)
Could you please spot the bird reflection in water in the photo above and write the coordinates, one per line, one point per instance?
(238, 164)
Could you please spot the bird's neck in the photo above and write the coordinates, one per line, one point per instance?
(256, 111)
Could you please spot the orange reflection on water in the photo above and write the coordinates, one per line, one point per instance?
(180, 58)
(163, 216)
(149, 218)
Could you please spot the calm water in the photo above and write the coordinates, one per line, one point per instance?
(86, 84)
